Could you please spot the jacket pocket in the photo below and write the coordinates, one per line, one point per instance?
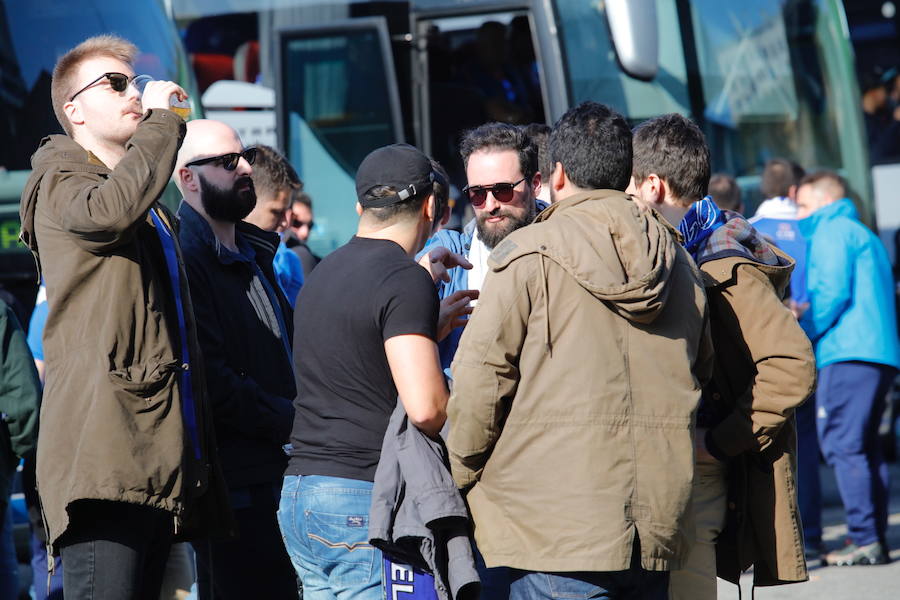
(144, 380)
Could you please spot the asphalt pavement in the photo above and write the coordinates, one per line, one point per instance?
(880, 582)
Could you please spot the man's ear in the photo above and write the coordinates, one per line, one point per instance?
(792, 193)
(536, 184)
(558, 177)
(656, 189)
(73, 113)
(186, 180)
(430, 207)
(358, 208)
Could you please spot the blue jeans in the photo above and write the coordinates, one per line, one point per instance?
(325, 525)
(850, 400)
(9, 566)
(637, 584)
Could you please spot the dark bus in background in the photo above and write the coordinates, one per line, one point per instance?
(33, 35)
(763, 78)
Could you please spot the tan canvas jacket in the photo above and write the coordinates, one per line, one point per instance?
(112, 423)
(764, 369)
(575, 388)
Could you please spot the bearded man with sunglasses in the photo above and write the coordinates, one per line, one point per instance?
(244, 324)
(501, 164)
(126, 456)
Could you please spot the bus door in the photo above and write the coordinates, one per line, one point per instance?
(337, 101)
(474, 68)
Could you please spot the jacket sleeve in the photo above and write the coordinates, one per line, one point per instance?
(20, 388)
(486, 368)
(753, 315)
(104, 215)
(238, 402)
(829, 284)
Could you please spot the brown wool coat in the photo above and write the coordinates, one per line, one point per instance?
(575, 387)
(764, 369)
(111, 420)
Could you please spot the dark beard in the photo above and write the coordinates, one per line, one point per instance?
(228, 206)
(490, 237)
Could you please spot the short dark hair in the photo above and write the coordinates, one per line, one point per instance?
(398, 211)
(593, 143)
(273, 173)
(501, 136)
(675, 149)
(301, 197)
(778, 176)
(826, 180)
(725, 191)
(540, 135)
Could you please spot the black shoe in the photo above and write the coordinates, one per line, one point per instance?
(851, 554)
(814, 551)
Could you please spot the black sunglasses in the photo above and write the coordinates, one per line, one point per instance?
(503, 192)
(229, 161)
(117, 81)
(297, 224)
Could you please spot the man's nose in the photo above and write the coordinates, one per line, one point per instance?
(243, 167)
(490, 201)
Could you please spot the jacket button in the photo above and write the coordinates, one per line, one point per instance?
(717, 396)
(185, 367)
(732, 506)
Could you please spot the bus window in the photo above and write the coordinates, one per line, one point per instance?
(338, 102)
(480, 68)
(764, 91)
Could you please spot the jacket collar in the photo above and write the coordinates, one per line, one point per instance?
(195, 225)
(842, 208)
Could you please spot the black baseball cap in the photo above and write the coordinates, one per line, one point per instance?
(400, 166)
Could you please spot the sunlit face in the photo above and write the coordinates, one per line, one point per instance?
(226, 195)
(301, 220)
(268, 214)
(495, 219)
(809, 200)
(100, 111)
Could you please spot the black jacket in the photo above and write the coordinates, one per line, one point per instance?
(245, 344)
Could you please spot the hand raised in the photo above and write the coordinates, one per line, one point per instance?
(439, 260)
(454, 310)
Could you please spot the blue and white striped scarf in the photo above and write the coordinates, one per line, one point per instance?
(701, 220)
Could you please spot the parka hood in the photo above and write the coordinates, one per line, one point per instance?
(619, 253)
(738, 242)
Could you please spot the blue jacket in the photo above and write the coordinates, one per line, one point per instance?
(459, 243)
(851, 290)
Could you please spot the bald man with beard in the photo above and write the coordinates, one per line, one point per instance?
(244, 325)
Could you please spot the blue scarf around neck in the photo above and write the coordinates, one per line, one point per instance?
(701, 220)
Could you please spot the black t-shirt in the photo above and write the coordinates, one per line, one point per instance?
(359, 296)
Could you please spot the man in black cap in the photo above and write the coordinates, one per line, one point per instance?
(365, 332)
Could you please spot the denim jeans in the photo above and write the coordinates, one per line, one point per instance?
(325, 525)
(850, 401)
(618, 585)
(633, 584)
(809, 488)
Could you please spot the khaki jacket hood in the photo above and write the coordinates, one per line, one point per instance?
(629, 272)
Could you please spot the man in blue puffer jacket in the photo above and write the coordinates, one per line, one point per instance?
(851, 321)
(501, 164)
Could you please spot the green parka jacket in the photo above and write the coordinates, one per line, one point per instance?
(20, 400)
(113, 426)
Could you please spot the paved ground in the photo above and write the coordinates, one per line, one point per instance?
(826, 583)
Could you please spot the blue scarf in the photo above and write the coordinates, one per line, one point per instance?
(701, 220)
